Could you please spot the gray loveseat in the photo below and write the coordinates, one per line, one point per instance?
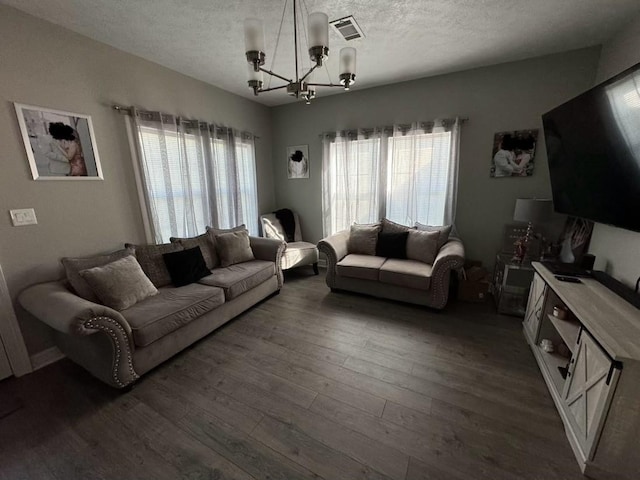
(405, 280)
(119, 346)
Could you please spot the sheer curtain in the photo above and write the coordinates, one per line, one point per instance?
(407, 173)
(422, 180)
(351, 178)
(194, 175)
(235, 182)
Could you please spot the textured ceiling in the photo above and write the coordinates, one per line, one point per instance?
(405, 39)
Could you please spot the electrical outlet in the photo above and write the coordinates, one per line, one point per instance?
(23, 216)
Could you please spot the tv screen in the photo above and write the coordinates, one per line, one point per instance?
(593, 148)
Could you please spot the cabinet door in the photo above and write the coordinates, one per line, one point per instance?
(587, 392)
(535, 306)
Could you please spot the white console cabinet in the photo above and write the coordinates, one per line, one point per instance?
(593, 374)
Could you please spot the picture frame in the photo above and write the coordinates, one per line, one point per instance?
(60, 145)
(298, 162)
(513, 153)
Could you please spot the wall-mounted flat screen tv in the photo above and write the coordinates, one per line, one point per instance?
(593, 147)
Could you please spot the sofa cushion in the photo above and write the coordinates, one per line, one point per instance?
(239, 278)
(299, 253)
(392, 227)
(207, 245)
(392, 245)
(423, 246)
(169, 310)
(150, 259)
(186, 267)
(444, 232)
(234, 247)
(360, 266)
(363, 239)
(406, 273)
(119, 284)
(73, 267)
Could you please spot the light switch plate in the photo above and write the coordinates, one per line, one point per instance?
(23, 216)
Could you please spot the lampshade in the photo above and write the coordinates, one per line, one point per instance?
(348, 61)
(253, 35)
(318, 30)
(253, 75)
(534, 210)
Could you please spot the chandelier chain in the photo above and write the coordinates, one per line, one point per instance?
(275, 50)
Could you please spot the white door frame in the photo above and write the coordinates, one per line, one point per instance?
(10, 333)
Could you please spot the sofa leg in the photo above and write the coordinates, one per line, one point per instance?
(315, 268)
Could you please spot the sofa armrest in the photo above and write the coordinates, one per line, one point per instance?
(270, 249)
(450, 257)
(53, 304)
(335, 249)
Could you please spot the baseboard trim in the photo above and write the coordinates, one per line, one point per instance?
(46, 357)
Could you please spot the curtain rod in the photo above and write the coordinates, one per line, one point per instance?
(390, 127)
(129, 111)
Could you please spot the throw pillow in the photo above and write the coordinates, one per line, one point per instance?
(73, 267)
(443, 231)
(220, 231)
(392, 245)
(120, 284)
(207, 246)
(423, 246)
(186, 266)
(150, 259)
(363, 239)
(392, 227)
(234, 248)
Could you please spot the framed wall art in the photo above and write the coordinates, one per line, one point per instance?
(298, 161)
(60, 145)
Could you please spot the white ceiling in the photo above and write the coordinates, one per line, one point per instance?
(405, 39)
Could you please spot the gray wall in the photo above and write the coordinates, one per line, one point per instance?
(510, 96)
(43, 64)
(617, 251)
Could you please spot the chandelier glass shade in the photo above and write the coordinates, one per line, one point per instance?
(303, 85)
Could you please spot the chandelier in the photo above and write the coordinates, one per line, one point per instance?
(318, 45)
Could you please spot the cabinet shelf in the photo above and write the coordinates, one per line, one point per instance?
(568, 330)
(552, 361)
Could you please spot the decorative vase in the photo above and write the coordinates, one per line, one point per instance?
(566, 254)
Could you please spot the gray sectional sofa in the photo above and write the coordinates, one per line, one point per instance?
(422, 282)
(119, 346)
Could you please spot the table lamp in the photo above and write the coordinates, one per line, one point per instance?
(530, 210)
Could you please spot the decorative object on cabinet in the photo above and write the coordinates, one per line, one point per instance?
(531, 211)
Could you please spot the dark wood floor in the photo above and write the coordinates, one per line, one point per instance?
(309, 384)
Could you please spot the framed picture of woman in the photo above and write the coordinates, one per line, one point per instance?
(60, 145)
(298, 161)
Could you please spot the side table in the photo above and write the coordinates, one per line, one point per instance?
(511, 284)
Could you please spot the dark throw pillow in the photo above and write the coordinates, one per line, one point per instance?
(392, 245)
(186, 266)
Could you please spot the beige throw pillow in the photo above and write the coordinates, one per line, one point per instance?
(150, 259)
(120, 284)
(234, 248)
(207, 245)
(443, 231)
(363, 239)
(392, 227)
(73, 267)
(422, 246)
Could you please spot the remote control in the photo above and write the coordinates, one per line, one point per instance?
(562, 278)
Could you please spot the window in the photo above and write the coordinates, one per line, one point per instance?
(192, 180)
(409, 176)
(418, 178)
